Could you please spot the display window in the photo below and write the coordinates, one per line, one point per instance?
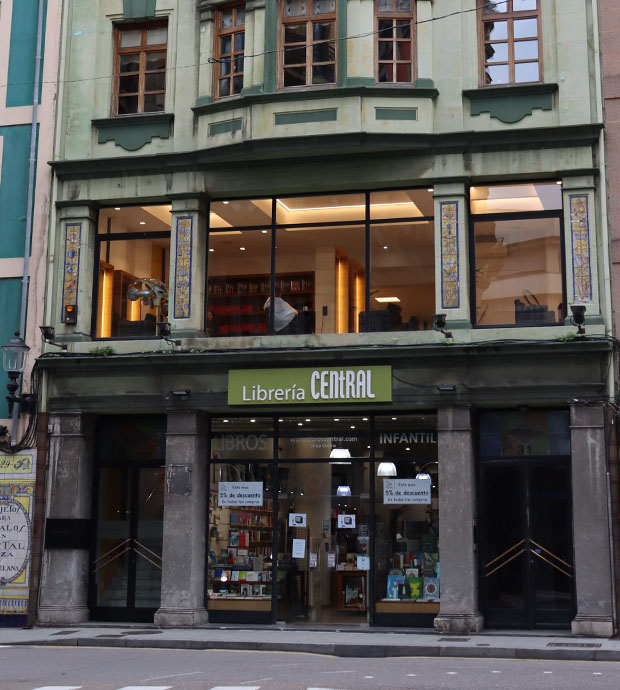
(322, 264)
(301, 532)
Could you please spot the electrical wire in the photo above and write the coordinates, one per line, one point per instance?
(212, 60)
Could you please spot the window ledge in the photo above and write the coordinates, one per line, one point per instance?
(206, 105)
(132, 132)
(512, 102)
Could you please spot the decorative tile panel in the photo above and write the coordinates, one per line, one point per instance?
(449, 254)
(183, 270)
(580, 238)
(73, 233)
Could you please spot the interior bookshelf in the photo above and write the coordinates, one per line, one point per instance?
(237, 302)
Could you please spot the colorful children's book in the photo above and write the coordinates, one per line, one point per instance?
(415, 587)
(431, 589)
(394, 585)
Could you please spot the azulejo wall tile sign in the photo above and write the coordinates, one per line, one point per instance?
(449, 254)
(580, 237)
(183, 271)
(73, 233)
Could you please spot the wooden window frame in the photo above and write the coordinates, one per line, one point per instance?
(233, 56)
(509, 17)
(395, 16)
(309, 20)
(142, 50)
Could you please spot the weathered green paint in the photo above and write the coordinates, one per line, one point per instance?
(205, 105)
(14, 189)
(22, 53)
(132, 133)
(341, 46)
(512, 103)
(306, 116)
(10, 300)
(396, 113)
(271, 44)
(310, 385)
(139, 9)
(425, 84)
(360, 81)
(225, 126)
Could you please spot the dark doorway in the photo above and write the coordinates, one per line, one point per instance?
(526, 550)
(126, 561)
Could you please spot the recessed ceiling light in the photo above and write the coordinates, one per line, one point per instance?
(211, 250)
(559, 182)
(280, 420)
(352, 426)
(407, 448)
(364, 419)
(307, 420)
(252, 420)
(242, 249)
(393, 419)
(387, 299)
(225, 420)
(299, 424)
(117, 208)
(430, 189)
(264, 232)
(385, 246)
(336, 419)
(142, 222)
(225, 202)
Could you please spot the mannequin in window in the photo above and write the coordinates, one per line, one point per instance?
(284, 316)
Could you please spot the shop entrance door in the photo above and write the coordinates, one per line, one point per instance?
(526, 549)
(126, 564)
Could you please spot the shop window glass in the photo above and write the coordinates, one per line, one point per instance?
(401, 203)
(395, 41)
(513, 433)
(407, 564)
(402, 277)
(140, 68)
(335, 439)
(240, 534)
(241, 438)
(518, 258)
(510, 34)
(332, 208)
(229, 46)
(330, 275)
(308, 42)
(239, 282)
(132, 283)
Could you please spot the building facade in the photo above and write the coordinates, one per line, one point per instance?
(29, 36)
(334, 280)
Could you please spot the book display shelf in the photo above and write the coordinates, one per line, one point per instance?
(240, 547)
(237, 302)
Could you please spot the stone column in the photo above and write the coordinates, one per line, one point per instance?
(75, 252)
(185, 522)
(593, 577)
(451, 255)
(458, 611)
(186, 305)
(64, 578)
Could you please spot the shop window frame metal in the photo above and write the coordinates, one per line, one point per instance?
(368, 222)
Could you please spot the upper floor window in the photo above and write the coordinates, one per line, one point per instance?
(510, 37)
(395, 22)
(140, 68)
(308, 42)
(229, 45)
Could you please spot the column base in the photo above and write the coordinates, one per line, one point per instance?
(592, 626)
(62, 615)
(458, 623)
(181, 618)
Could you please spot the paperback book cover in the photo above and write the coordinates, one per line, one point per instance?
(431, 589)
(395, 583)
(415, 587)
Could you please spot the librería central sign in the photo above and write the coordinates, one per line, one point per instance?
(310, 385)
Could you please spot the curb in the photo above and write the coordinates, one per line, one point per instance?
(338, 650)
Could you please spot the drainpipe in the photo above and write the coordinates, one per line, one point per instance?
(29, 210)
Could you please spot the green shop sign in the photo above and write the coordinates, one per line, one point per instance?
(310, 385)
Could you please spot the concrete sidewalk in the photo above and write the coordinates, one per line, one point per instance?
(374, 642)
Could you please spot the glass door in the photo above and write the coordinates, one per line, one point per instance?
(126, 568)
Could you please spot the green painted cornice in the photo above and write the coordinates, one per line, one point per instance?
(510, 103)
(132, 132)
(205, 105)
(139, 9)
(332, 145)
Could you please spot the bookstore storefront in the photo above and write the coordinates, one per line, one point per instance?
(299, 503)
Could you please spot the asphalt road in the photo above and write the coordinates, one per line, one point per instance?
(90, 668)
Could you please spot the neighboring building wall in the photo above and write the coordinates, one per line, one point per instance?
(18, 38)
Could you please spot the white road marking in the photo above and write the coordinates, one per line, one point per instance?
(256, 680)
(495, 671)
(236, 687)
(597, 673)
(5, 646)
(548, 672)
(451, 673)
(176, 675)
(368, 676)
(411, 675)
(147, 687)
(60, 687)
(326, 672)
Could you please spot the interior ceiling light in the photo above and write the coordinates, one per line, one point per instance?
(226, 202)
(117, 208)
(332, 208)
(386, 469)
(340, 456)
(387, 299)
(142, 222)
(423, 475)
(343, 490)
